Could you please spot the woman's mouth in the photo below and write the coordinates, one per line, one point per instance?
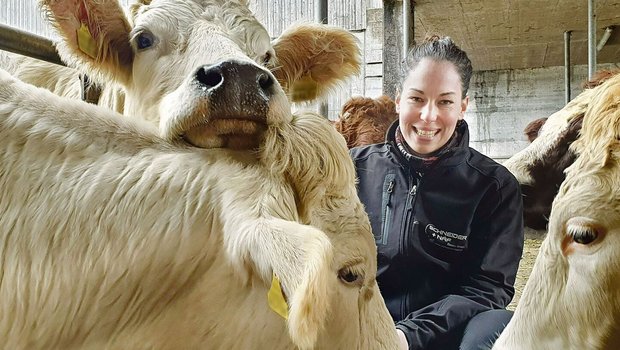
(428, 134)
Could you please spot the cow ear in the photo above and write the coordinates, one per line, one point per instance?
(294, 257)
(95, 34)
(313, 59)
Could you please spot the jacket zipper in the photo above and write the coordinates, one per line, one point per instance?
(408, 222)
(387, 218)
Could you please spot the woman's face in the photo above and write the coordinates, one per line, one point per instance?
(430, 105)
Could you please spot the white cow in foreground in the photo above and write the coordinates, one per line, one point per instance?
(114, 238)
(572, 298)
(164, 48)
(120, 234)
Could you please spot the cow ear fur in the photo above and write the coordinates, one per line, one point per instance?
(312, 59)
(94, 32)
(300, 256)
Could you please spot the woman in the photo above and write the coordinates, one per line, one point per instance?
(447, 220)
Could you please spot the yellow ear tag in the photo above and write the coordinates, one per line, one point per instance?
(275, 298)
(304, 89)
(86, 43)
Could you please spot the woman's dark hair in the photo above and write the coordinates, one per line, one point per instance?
(440, 49)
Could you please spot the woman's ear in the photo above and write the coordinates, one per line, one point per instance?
(397, 101)
(464, 103)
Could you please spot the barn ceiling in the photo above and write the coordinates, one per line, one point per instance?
(513, 34)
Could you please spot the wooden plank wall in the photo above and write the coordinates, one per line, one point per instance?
(25, 15)
(364, 18)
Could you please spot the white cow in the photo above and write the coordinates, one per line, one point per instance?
(114, 238)
(166, 47)
(61, 80)
(572, 298)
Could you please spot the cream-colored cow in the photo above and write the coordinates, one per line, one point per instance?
(121, 234)
(572, 298)
(115, 238)
(165, 49)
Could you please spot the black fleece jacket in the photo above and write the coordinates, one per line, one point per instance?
(449, 237)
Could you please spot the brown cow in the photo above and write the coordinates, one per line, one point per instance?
(532, 129)
(540, 166)
(364, 120)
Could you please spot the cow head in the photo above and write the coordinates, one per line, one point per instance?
(364, 121)
(540, 166)
(323, 179)
(572, 298)
(203, 70)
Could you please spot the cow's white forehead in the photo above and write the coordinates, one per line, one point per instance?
(233, 18)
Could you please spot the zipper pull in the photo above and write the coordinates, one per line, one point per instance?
(414, 190)
(390, 187)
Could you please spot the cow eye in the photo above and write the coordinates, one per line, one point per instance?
(583, 234)
(348, 276)
(267, 59)
(144, 40)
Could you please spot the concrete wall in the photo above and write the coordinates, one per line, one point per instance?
(503, 102)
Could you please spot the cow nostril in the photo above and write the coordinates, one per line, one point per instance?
(265, 81)
(209, 77)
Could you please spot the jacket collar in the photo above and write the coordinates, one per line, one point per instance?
(454, 156)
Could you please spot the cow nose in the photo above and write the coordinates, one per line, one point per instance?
(232, 74)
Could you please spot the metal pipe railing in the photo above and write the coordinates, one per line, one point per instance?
(408, 26)
(28, 44)
(567, 71)
(591, 38)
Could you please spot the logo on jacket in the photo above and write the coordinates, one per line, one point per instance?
(446, 239)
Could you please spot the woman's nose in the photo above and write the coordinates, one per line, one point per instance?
(428, 113)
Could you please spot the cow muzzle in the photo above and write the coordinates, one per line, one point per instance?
(236, 100)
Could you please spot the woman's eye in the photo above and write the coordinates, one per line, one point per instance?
(145, 40)
(415, 99)
(446, 102)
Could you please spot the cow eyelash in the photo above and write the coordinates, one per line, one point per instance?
(582, 234)
(351, 276)
(267, 59)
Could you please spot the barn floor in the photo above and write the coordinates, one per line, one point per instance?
(533, 240)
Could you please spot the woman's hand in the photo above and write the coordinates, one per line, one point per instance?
(402, 340)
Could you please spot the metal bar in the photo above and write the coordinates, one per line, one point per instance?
(28, 44)
(591, 38)
(408, 25)
(567, 71)
(320, 15)
(604, 38)
(320, 11)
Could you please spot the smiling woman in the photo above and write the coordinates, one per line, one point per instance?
(447, 220)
